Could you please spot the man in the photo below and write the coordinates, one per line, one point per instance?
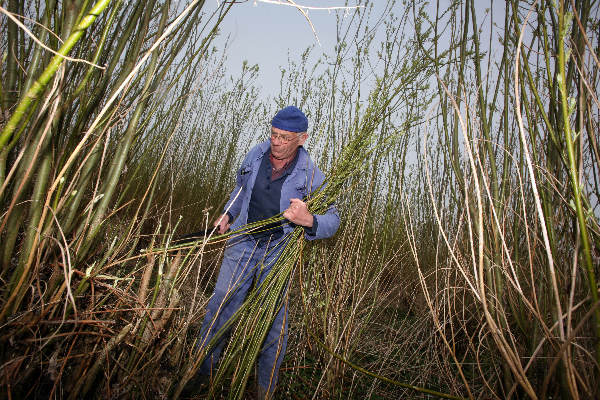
(276, 176)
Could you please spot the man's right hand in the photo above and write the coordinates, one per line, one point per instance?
(223, 223)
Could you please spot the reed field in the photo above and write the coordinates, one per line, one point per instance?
(460, 145)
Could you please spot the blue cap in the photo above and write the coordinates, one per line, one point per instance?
(290, 119)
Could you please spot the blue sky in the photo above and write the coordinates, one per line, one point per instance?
(265, 34)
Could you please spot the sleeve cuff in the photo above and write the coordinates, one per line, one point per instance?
(312, 231)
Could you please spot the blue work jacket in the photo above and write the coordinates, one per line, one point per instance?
(304, 179)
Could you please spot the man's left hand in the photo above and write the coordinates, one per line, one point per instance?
(298, 213)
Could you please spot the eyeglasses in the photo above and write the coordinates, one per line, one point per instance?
(285, 138)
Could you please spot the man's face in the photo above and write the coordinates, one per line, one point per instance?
(285, 143)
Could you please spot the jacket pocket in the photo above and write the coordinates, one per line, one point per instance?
(302, 191)
(244, 173)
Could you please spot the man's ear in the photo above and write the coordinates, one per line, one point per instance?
(302, 138)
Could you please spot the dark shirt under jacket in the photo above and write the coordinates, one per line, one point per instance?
(265, 199)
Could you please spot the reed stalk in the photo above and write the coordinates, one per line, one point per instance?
(40, 84)
(567, 110)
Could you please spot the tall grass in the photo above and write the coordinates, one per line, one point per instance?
(82, 174)
(510, 221)
(467, 257)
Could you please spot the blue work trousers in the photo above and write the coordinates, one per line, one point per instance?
(245, 262)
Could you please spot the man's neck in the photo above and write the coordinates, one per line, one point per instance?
(278, 164)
